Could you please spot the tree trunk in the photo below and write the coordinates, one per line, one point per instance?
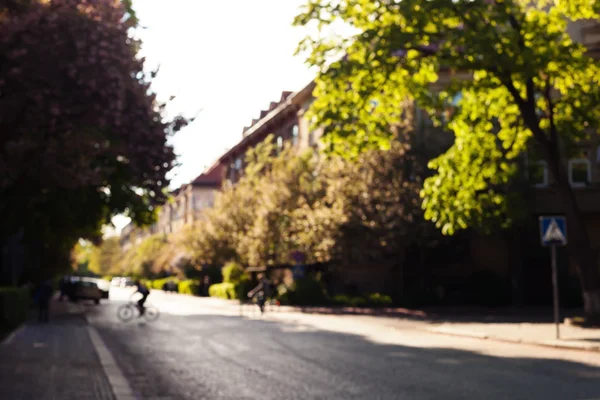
(579, 243)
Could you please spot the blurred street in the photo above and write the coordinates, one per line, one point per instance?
(202, 349)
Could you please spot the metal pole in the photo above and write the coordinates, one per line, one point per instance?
(555, 291)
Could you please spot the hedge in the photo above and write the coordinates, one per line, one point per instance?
(370, 300)
(236, 283)
(225, 290)
(190, 286)
(14, 306)
(303, 292)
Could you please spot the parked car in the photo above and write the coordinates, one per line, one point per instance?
(86, 290)
(103, 285)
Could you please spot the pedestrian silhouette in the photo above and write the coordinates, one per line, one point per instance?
(42, 297)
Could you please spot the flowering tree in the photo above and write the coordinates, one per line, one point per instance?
(331, 210)
(82, 136)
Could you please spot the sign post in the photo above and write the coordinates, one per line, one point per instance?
(298, 269)
(553, 232)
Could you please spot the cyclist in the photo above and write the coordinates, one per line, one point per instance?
(143, 290)
(262, 292)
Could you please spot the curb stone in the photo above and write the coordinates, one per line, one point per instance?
(557, 344)
(116, 378)
(119, 384)
(8, 339)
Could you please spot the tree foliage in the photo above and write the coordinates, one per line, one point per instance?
(510, 67)
(105, 258)
(82, 136)
(502, 58)
(331, 209)
(378, 197)
(148, 258)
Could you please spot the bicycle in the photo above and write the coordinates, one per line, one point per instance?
(259, 305)
(127, 311)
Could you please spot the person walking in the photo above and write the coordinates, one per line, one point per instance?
(206, 285)
(62, 286)
(42, 297)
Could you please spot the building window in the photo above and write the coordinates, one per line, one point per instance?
(579, 172)
(538, 174)
(238, 163)
(295, 134)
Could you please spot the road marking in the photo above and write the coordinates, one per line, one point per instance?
(119, 384)
(14, 333)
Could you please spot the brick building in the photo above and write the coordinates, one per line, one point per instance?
(186, 206)
(284, 119)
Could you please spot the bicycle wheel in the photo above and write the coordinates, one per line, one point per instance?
(151, 314)
(125, 313)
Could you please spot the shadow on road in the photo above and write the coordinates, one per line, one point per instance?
(212, 356)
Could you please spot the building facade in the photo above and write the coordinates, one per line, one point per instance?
(285, 119)
(186, 206)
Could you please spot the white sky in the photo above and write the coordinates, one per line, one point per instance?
(229, 58)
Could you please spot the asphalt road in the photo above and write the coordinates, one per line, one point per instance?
(197, 351)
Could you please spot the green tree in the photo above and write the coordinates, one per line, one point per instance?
(82, 254)
(331, 209)
(82, 135)
(106, 257)
(252, 222)
(280, 182)
(524, 84)
(377, 202)
(149, 258)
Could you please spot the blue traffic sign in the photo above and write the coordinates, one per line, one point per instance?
(553, 231)
(298, 271)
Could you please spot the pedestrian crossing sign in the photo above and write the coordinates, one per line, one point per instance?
(553, 231)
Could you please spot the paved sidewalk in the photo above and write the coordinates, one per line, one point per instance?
(53, 361)
(571, 337)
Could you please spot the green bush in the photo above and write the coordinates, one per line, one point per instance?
(228, 290)
(341, 300)
(236, 283)
(378, 300)
(14, 305)
(147, 283)
(369, 300)
(305, 292)
(190, 286)
(107, 278)
(283, 294)
(225, 290)
(234, 273)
